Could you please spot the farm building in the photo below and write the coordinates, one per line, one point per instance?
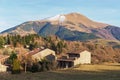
(73, 59)
(46, 53)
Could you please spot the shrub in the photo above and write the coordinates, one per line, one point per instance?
(47, 65)
(36, 67)
(43, 65)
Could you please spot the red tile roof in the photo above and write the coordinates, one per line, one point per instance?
(33, 51)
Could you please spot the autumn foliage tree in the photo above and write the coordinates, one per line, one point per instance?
(16, 66)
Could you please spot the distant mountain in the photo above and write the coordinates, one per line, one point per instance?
(73, 26)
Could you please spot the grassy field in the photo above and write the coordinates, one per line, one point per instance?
(83, 72)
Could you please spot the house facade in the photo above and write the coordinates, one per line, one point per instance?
(73, 59)
(46, 53)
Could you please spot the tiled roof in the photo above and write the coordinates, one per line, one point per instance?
(67, 59)
(77, 52)
(73, 53)
(33, 51)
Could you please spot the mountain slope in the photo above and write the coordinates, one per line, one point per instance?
(115, 31)
(78, 18)
(71, 26)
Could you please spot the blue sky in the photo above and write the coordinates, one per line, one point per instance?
(15, 12)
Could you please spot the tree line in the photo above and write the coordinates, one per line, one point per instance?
(31, 41)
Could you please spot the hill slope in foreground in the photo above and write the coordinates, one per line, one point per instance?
(73, 26)
(83, 72)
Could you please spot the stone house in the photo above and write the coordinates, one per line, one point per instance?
(45, 53)
(73, 59)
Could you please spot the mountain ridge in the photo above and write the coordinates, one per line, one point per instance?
(73, 25)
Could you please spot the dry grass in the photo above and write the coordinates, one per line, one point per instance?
(84, 72)
(99, 68)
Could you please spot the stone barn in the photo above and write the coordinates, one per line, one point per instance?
(73, 59)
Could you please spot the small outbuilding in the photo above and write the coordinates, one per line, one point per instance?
(3, 68)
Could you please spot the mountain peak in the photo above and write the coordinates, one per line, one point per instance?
(75, 18)
(81, 19)
(75, 14)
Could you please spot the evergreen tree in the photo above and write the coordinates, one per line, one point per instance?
(60, 46)
(12, 57)
(31, 47)
(8, 41)
(53, 46)
(2, 42)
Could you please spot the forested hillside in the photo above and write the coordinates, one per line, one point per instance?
(102, 51)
